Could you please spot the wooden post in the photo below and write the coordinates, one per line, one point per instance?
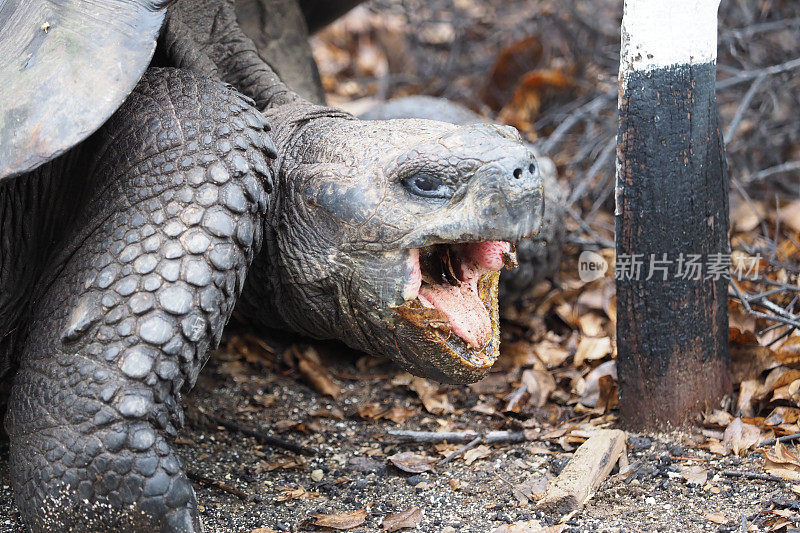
(671, 216)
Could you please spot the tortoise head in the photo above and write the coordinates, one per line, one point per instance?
(390, 236)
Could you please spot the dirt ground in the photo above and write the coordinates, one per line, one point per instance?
(351, 455)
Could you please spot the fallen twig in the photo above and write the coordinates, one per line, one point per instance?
(435, 437)
(204, 481)
(468, 446)
(515, 397)
(751, 475)
(785, 438)
(605, 156)
(605, 243)
(262, 437)
(573, 118)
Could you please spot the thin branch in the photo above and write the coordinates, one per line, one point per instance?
(586, 228)
(262, 437)
(745, 103)
(574, 117)
(752, 475)
(608, 150)
(785, 438)
(751, 74)
(771, 171)
(468, 446)
(204, 481)
(436, 437)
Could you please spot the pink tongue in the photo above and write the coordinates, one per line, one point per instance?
(487, 255)
(468, 316)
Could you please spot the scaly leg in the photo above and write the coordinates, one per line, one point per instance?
(131, 306)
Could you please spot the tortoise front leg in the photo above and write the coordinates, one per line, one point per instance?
(126, 319)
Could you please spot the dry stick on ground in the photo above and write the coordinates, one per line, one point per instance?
(589, 466)
(515, 397)
(468, 446)
(436, 437)
(204, 481)
(785, 438)
(260, 436)
(752, 475)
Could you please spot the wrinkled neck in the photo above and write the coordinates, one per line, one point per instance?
(204, 35)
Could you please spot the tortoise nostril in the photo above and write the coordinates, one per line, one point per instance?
(532, 168)
(518, 173)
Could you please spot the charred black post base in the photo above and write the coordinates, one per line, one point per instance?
(672, 198)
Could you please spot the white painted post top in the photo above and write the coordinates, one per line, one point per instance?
(663, 33)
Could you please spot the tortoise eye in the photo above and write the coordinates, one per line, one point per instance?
(427, 186)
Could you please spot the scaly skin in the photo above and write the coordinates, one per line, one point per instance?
(539, 256)
(335, 259)
(336, 254)
(147, 254)
(131, 304)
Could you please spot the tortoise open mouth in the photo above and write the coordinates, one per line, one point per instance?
(451, 297)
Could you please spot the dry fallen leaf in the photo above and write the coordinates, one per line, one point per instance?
(371, 410)
(789, 351)
(523, 107)
(346, 520)
(376, 411)
(484, 409)
(550, 354)
(780, 461)
(589, 388)
(300, 493)
(608, 394)
(478, 452)
(540, 385)
(408, 519)
(412, 462)
(282, 426)
(790, 215)
(398, 414)
(696, 475)
(740, 437)
(528, 526)
(284, 462)
(532, 489)
(745, 218)
(591, 324)
(434, 401)
(717, 518)
(717, 418)
(317, 374)
(748, 391)
(782, 415)
(780, 377)
(511, 64)
(592, 348)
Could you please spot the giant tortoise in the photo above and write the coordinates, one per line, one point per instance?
(147, 193)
